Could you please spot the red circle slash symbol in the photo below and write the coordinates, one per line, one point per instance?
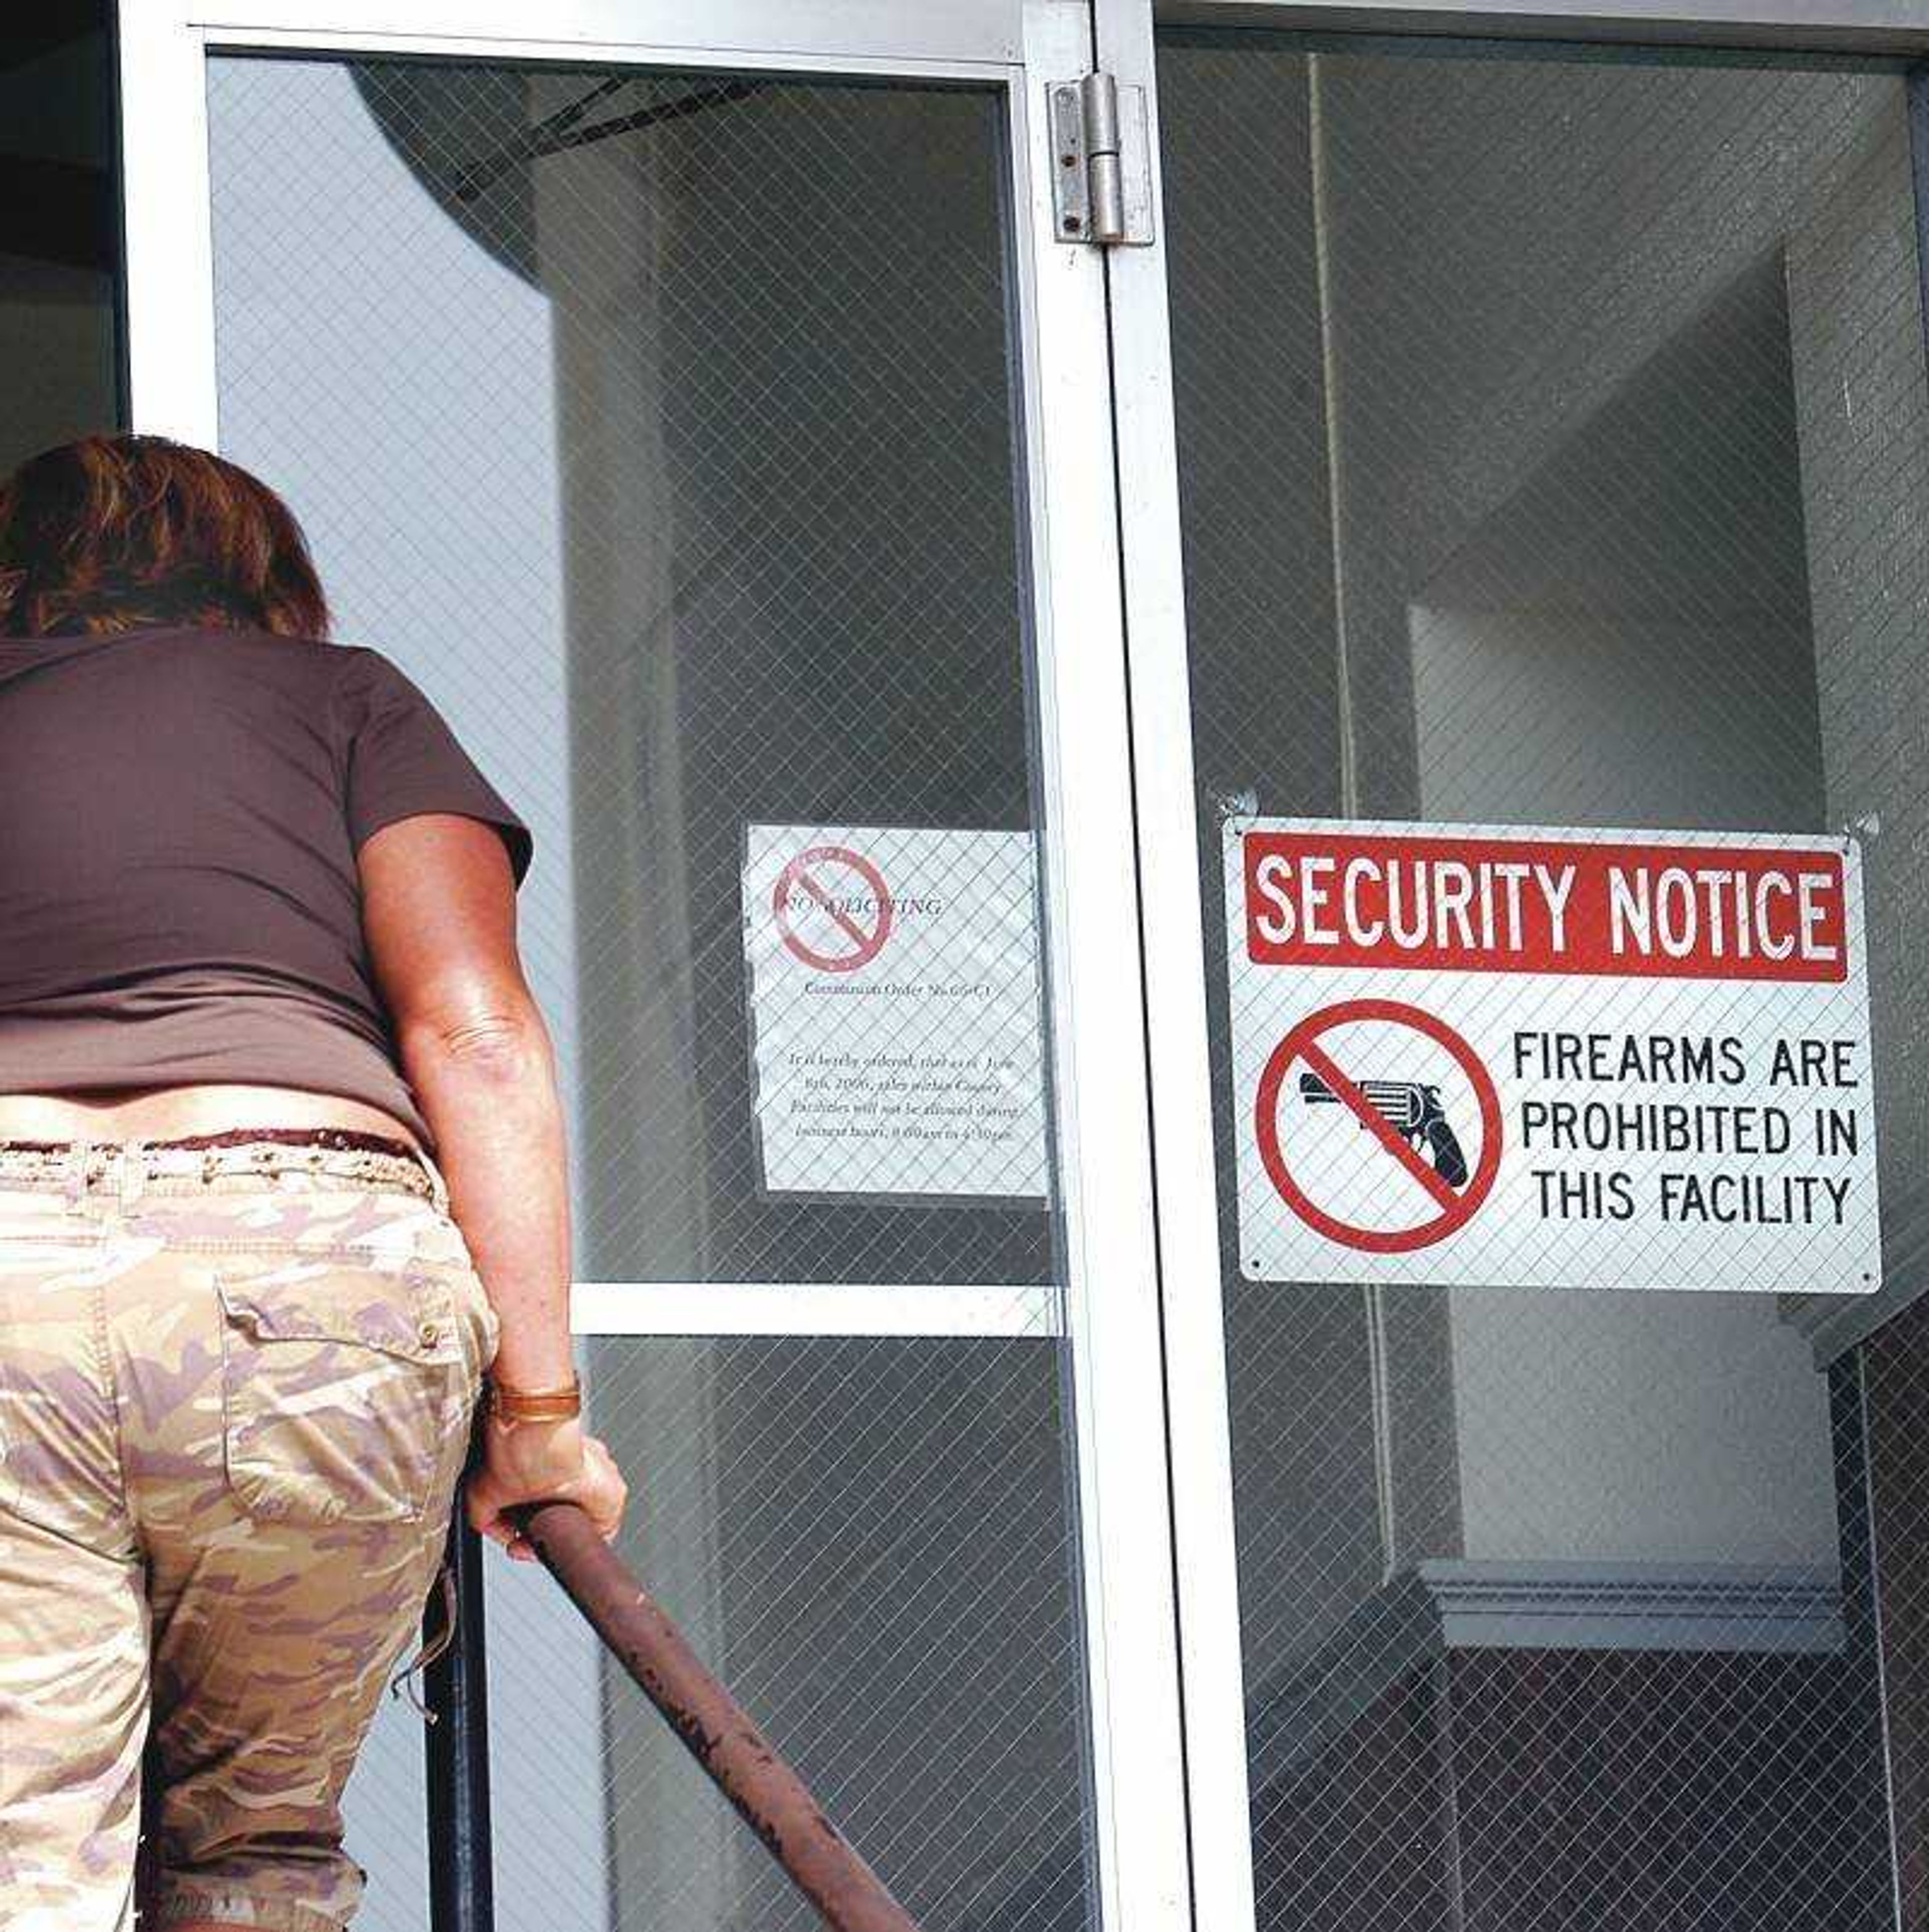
(866, 942)
(1325, 1080)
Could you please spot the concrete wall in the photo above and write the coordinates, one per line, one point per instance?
(1592, 394)
(837, 1518)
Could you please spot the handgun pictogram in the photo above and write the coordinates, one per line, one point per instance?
(1411, 1110)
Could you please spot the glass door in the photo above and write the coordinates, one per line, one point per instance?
(1545, 455)
(696, 404)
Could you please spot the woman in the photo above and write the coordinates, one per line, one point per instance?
(281, 1176)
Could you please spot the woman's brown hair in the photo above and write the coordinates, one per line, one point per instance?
(108, 533)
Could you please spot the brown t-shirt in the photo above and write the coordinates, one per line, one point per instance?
(180, 812)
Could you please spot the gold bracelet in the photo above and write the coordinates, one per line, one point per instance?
(544, 1404)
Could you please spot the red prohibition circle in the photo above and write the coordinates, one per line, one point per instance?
(868, 944)
(1377, 1241)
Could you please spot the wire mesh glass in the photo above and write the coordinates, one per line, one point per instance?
(1554, 452)
(660, 424)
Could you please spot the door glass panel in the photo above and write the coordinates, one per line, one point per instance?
(661, 425)
(889, 1589)
(755, 562)
(1553, 451)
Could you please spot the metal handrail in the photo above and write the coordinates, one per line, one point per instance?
(718, 1732)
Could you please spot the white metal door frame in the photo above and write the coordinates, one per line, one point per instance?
(1190, 1259)
(1200, 1436)
(1110, 1308)
(164, 45)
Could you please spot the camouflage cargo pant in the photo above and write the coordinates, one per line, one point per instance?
(234, 1397)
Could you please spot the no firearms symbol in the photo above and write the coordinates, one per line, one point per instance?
(1364, 1116)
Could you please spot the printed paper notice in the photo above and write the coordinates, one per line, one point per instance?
(1507, 1058)
(895, 1041)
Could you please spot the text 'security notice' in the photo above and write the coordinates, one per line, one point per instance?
(1547, 1059)
(893, 995)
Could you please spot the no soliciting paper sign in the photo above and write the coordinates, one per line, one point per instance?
(1550, 1059)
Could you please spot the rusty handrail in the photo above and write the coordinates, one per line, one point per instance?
(769, 1796)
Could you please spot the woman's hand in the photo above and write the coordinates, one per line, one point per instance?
(542, 1462)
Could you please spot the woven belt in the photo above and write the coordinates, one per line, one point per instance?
(344, 1138)
(236, 1150)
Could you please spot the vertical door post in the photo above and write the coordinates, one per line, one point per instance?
(1166, 789)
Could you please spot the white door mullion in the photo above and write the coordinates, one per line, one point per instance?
(815, 1308)
(1191, 1263)
(1097, 1003)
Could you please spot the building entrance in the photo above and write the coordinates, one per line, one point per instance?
(989, 591)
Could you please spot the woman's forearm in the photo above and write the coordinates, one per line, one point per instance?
(488, 1089)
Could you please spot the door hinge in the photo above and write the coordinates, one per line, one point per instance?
(1102, 169)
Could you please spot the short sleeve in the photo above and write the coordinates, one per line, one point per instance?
(400, 758)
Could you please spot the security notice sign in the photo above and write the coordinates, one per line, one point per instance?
(1550, 1059)
(895, 1043)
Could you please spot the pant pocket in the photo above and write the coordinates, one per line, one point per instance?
(342, 1387)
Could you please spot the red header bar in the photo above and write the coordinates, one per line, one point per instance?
(1527, 905)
